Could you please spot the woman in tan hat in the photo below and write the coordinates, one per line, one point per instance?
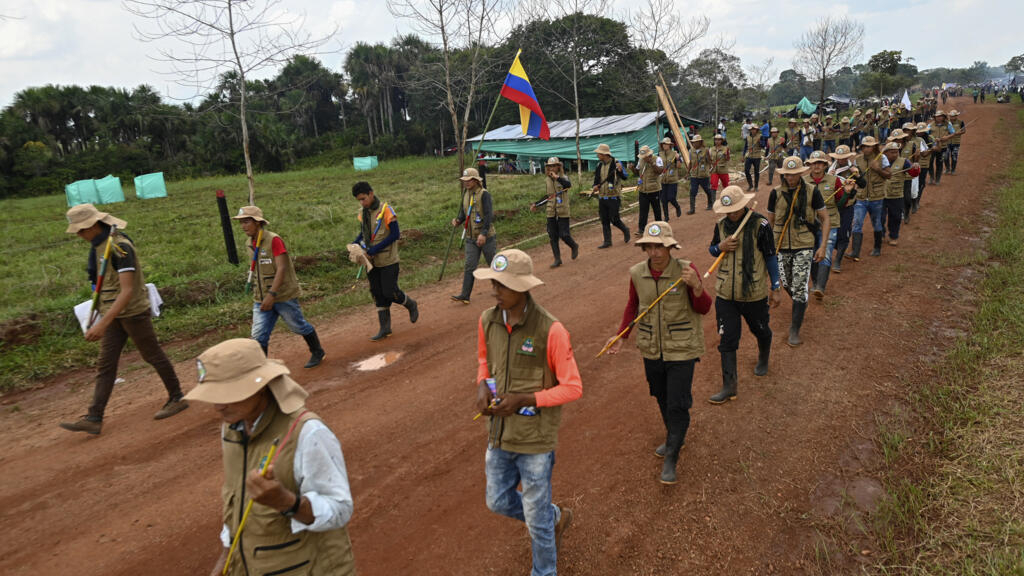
(477, 215)
(870, 197)
(526, 373)
(792, 137)
(775, 148)
(753, 154)
(557, 206)
(648, 185)
(607, 186)
(670, 336)
(303, 503)
(924, 147)
(124, 313)
(700, 173)
(959, 129)
(833, 191)
(670, 177)
(720, 156)
(747, 277)
(941, 131)
(796, 211)
(844, 168)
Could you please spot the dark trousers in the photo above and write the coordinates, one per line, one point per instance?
(695, 185)
(558, 229)
(755, 165)
(893, 213)
(937, 160)
(669, 192)
(384, 286)
(729, 313)
(908, 200)
(140, 330)
(921, 181)
(648, 201)
(671, 384)
(608, 210)
(845, 227)
(473, 253)
(952, 157)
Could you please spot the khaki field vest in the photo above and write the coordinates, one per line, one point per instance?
(894, 185)
(876, 182)
(797, 236)
(139, 302)
(719, 163)
(671, 173)
(389, 255)
(957, 125)
(827, 187)
(607, 189)
(700, 163)
(729, 283)
(473, 215)
(558, 205)
(754, 150)
(672, 330)
(518, 361)
(649, 179)
(266, 269)
(267, 545)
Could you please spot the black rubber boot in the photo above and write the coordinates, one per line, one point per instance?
(764, 352)
(413, 308)
(384, 317)
(693, 204)
(557, 253)
(668, 468)
(837, 264)
(814, 273)
(711, 200)
(915, 204)
(573, 246)
(625, 234)
(877, 250)
(728, 391)
(315, 350)
(798, 320)
(819, 286)
(857, 240)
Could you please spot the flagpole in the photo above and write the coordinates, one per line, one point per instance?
(451, 237)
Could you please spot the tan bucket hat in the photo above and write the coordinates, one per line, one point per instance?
(774, 129)
(842, 152)
(793, 165)
(845, 120)
(603, 149)
(717, 137)
(868, 141)
(909, 126)
(891, 146)
(697, 138)
(922, 127)
(658, 233)
(553, 161)
(471, 174)
(645, 151)
(511, 268)
(666, 140)
(954, 112)
(897, 133)
(818, 156)
(85, 215)
(732, 199)
(938, 113)
(250, 212)
(791, 121)
(236, 369)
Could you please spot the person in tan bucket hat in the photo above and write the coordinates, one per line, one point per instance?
(670, 177)
(303, 503)
(747, 280)
(526, 373)
(477, 216)
(124, 309)
(648, 171)
(556, 203)
(607, 187)
(670, 336)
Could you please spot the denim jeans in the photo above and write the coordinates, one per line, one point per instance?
(829, 246)
(505, 471)
(805, 151)
(263, 322)
(861, 209)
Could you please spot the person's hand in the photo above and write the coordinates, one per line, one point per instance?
(728, 245)
(533, 207)
(775, 298)
(481, 240)
(267, 491)
(616, 347)
(455, 221)
(690, 278)
(618, 165)
(819, 255)
(96, 332)
(483, 398)
(268, 303)
(508, 404)
(218, 567)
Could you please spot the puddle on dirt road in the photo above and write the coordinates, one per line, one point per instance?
(377, 361)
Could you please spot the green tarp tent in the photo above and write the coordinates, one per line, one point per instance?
(82, 192)
(109, 189)
(150, 186)
(806, 107)
(365, 163)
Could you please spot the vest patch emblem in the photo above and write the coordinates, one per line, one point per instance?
(499, 264)
(527, 348)
(791, 164)
(726, 200)
(201, 370)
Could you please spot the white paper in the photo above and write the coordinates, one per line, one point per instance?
(82, 310)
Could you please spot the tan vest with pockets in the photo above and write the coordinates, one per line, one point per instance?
(139, 302)
(672, 330)
(876, 182)
(718, 160)
(700, 163)
(797, 236)
(267, 545)
(754, 149)
(558, 205)
(671, 173)
(729, 282)
(266, 269)
(649, 179)
(389, 255)
(473, 214)
(958, 125)
(827, 187)
(518, 361)
(607, 189)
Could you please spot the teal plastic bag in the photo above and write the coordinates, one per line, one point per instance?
(150, 186)
(365, 163)
(82, 192)
(109, 189)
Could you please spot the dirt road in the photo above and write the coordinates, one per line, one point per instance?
(760, 477)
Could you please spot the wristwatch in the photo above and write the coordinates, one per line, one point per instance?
(295, 507)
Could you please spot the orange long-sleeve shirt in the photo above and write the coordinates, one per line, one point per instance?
(560, 359)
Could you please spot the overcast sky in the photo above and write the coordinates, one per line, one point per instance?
(89, 42)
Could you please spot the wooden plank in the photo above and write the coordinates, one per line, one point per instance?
(681, 141)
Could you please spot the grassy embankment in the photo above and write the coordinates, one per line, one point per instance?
(957, 483)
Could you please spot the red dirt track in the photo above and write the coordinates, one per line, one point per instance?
(759, 477)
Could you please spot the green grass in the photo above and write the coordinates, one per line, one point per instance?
(182, 249)
(956, 501)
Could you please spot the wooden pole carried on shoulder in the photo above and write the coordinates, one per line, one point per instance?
(735, 235)
(681, 140)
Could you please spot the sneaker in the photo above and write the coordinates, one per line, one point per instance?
(461, 298)
(171, 408)
(83, 424)
(561, 526)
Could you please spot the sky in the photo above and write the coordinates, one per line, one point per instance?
(89, 42)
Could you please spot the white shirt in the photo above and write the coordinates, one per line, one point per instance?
(319, 472)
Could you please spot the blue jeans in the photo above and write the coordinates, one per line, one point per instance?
(832, 235)
(828, 146)
(861, 209)
(263, 322)
(805, 152)
(506, 470)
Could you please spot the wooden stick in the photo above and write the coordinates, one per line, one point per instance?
(785, 227)
(94, 308)
(639, 316)
(681, 142)
(245, 516)
(718, 261)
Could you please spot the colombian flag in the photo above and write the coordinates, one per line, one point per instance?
(517, 88)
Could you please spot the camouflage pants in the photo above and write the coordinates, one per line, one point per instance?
(795, 270)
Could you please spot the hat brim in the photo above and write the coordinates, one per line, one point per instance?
(76, 227)
(468, 178)
(510, 281)
(240, 387)
(661, 240)
(250, 217)
(734, 207)
(802, 170)
(846, 156)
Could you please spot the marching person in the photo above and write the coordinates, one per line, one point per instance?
(776, 150)
(870, 196)
(941, 132)
(792, 137)
(648, 185)
(893, 162)
(748, 274)
(700, 173)
(795, 211)
(959, 129)
(378, 235)
(909, 151)
(302, 504)
(924, 147)
(125, 313)
(817, 134)
(607, 178)
(557, 207)
(752, 159)
(845, 205)
(831, 134)
(807, 133)
(275, 290)
(526, 372)
(670, 336)
(720, 157)
(833, 191)
(477, 216)
(670, 177)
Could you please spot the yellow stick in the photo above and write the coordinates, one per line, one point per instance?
(248, 507)
(734, 236)
(494, 402)
(638, 317)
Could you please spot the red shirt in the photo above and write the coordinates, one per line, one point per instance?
(276, 246)
(838, 186)
(701, 304)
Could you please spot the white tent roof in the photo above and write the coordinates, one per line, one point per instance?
(588, 127)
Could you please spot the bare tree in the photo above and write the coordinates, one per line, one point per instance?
(760, 76)
(455, 26)
(657, 25)
(833, 42)
(224, 38)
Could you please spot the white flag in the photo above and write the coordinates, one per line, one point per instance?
(906, 100)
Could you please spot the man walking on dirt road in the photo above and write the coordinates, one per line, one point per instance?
(607, 187)
(477, 215)
(124, 309)
(526, 372)
(280, 457)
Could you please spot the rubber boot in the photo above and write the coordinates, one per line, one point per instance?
(413, 308)
(819, 286)
(915, 204)
(794, 327)
(315, 350)
(557, 252)
(728, 391)
(668, 468)
(384, 317)
(814, 273)
(607, 238)
(857, 239)
(711, 200)
(660, 451)
(837, 264)
(877, 250)
(573, 246)
(764, 352)
(693, 204)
